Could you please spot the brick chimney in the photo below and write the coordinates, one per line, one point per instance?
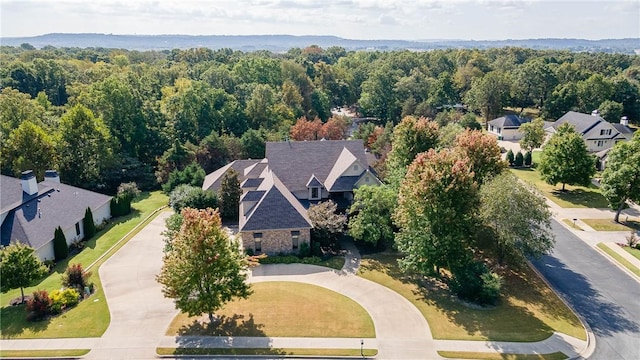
(29, 182)
(52, 175)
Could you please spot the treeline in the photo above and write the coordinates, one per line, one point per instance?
(107, 116)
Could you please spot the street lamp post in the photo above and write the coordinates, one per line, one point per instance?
(362, 348)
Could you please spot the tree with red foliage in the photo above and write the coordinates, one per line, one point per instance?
(306, 130)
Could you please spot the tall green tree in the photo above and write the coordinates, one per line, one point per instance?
(19, 267)
(566, 160)
(60, 246)
(29, 147)
(370, 215)
(230, 193)
(621, 177)
(88, 225)
(410, 137)
(488, 94)
(85, 147)
(519, 217)
(436, 210)
(532, 134)
(203, 268)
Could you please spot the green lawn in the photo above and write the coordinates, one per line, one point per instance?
(572, 224)
(622, 261)
(91, 317)
(164, 351)
(42, 353)
(574, 197)
(610, 225)
(494, 356)
(632, 251)
(528, 310)
(283, 309)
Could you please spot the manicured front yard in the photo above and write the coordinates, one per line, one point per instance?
(494, 356)
(528, 310)
(265, 351)
(574, 197)
(91, 317)
(610, 225)
(283, 309)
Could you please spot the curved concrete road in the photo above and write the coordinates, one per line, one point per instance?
(401, 330)
(606, 297)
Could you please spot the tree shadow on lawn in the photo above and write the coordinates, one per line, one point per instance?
(603, 316)
(14, 322)
(505, 321)
(581, 197)
(224, 326)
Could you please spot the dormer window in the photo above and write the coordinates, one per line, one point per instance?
(314, 193)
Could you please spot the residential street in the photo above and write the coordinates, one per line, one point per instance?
(605, 296)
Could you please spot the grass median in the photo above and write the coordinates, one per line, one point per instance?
(528, 310)
(91, 317)
(610, 225)
(495, 356)
(30, 354)
(619, 259)
(283, 309)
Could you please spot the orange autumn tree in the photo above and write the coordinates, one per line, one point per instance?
(306, 130)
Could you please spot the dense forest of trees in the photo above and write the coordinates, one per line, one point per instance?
(107, 116)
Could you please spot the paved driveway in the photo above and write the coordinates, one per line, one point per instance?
(606, 297)
(140, 313)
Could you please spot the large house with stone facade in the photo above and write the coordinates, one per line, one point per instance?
(278, 190)
(31, 211)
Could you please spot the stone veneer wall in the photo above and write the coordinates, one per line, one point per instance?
(275, 241)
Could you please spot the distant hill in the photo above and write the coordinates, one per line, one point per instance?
(282, 43)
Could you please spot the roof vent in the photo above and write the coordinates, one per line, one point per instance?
(52, 175)
(595, 113)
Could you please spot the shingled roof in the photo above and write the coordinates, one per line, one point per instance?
(294, 162)
(33, 219)
(213, 180)
(276, 208)
(509, 121)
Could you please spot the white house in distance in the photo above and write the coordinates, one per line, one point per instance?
(507, 127)
(598, 134)
(31, 211)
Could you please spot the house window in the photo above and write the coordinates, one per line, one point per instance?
(355, 167)
(599, 143)
(366, 179)
(605, 131)
(295, 238)
(315, 193)
(257, 241)
(78, 228)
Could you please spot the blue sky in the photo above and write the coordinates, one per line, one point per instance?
(355, 19)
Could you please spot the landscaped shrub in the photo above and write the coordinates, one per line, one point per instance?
(192, 175)
(527, 158)
(120, 205)
(510, 157)
(193, 197)
(474, 282)
(75, 277)
(128, 190)
(60, 247)
(63, 299)
(88, 224)
(305, 250)
(38, 306)
(519, 160)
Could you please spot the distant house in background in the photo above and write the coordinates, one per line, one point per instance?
(507, 127)
(598, 134)
(31, 211)
(278, 190)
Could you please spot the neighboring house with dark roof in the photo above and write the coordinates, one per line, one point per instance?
(597, 133)
(243, 167)
(295, 174)
(31, 211)
(507, 127)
